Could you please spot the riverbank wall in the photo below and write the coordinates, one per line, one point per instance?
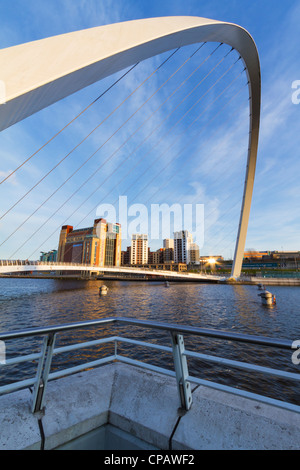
(142, 405)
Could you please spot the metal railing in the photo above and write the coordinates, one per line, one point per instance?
(121, 269)
(180, 355)
(18, 262)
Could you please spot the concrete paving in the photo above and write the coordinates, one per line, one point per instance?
(144, 404)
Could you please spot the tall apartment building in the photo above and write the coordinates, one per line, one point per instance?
(168, 243)
(139, 249)
(99, 245)
(49, 256)
(182, 242)
(194, 253)
(168, 250)
(156, 257)
(125, 257)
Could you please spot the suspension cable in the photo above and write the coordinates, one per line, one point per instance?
(180, 135)
(139, 127)
(85, 138)
(93, 174)
(93, 153)
(202, 129)
(119, 182)
(127, 139)
(190, 142)
(69, 123)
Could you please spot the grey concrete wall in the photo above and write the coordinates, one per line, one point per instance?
(146, 405)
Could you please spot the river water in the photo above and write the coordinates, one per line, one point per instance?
(29, 303)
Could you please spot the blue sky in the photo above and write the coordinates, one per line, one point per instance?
(203, 164)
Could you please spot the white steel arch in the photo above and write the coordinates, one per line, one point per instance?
(40, 73)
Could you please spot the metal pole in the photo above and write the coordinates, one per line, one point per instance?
(181, 369)
(43, 373)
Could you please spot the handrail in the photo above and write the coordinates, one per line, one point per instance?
(17, 262)
(180, 355)
(170, 327)
(25, 266)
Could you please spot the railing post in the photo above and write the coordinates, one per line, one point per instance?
(43, 373)
(181, 369)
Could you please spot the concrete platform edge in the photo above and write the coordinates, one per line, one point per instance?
(144, 404)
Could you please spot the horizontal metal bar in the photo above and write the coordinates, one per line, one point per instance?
(218, 334)
(19, 359)
(30, 332)
(243, 365)
(144, 365)
(17, 385)
(87, 344)
(176, 328)
(111, 339)
(143, 343)
(245, 394)
(79, 368)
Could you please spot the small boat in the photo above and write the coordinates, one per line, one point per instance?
(103, 290)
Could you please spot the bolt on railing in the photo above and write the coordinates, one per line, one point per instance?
(177, 349)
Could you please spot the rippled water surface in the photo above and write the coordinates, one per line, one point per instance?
(29, 303)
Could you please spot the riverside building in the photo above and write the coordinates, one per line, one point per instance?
(194, 254)
(139, 249)
(182, 245)
(168, 250)
(99, 245)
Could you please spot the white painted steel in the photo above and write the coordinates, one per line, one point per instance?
(40, 73)
(40, 266)
(178, 350)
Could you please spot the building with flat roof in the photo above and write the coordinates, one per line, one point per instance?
(182, 241)
(139, 249)
(99, 245)
(168, 250)
(125, 257)
(255, 254)
(194, 253)
(49, 256)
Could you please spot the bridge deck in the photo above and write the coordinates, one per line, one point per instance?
(7, 267)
